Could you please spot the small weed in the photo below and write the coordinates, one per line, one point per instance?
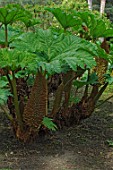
(110, 143)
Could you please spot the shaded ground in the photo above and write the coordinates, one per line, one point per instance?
(84, 147)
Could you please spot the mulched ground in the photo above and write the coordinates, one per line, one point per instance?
(82, 147)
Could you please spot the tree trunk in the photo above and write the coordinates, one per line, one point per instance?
(102, 6)
(90, 5)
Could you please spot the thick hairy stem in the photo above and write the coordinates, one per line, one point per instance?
(67, 81)
(102, 64)
(16, 103)
(96, 98)
(65, 87)
(94, 91)
(6, 36)
(9, 80)
(86, 87)
(75, 75)
(36, 107)
(58, 98)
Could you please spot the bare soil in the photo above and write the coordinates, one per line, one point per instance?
(82, 147)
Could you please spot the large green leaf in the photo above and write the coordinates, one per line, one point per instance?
(93, 79)
(96, 25)
(12, 13)
(30, 22)
(3, 83)
(109, 78)
(86, 17)
(4, 93)
(12, 34)
(14, 59)
(102, 54)
(47, 122)
(54, 51)
(66, 20)
(108, 33)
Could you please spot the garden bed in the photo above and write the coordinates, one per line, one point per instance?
(82, 147)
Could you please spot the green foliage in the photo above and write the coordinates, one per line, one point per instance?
(93, 79)
(47, 122)
(79, 84)
(102, 54)
(78, 5)
(94, 23)
(84, 22)
(110, 143)
(30, 22)
(4, 91)
(4, 94)
(49, 52)
(74, 100)
(109, 78)
(66, 20)
(12, 13)
(30, 80)
(12, 34)
(55, 51)
(3, 83)
(12, 59)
